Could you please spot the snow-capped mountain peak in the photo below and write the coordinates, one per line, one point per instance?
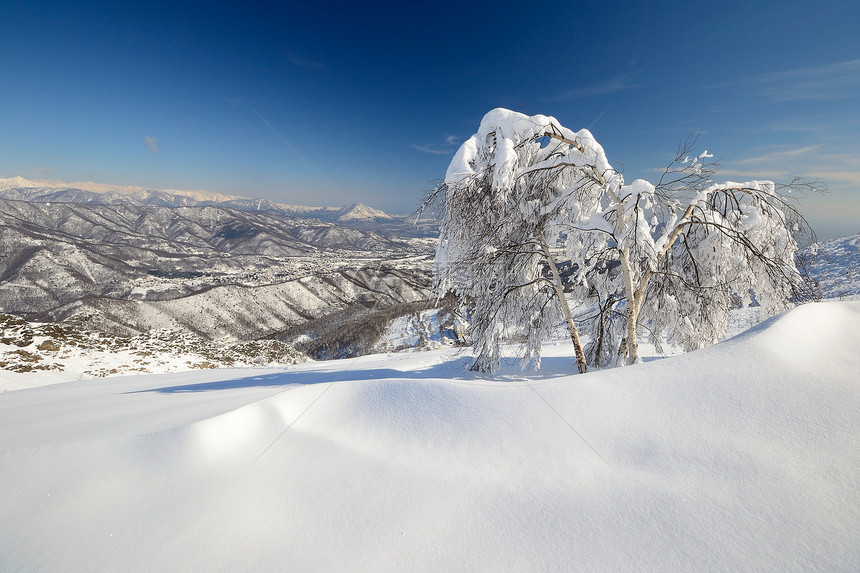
(20, 189)
(362, 212)
(17, 183)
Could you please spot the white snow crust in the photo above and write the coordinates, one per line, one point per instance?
(742, 456)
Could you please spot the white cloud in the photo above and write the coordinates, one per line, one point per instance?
(780, 155)
(850, 177)
(152, 144)
(446, 148)
(616, 84)
(828, 82)
(840, 80)
(757, 174)
(44, 171)
(840, 172)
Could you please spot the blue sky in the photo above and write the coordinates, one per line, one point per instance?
(331, 104)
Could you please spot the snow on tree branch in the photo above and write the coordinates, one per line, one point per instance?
(524, 194)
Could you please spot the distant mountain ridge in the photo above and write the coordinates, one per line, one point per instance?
(56, 253)
(20, 189)
(35, 188)
(129, 261)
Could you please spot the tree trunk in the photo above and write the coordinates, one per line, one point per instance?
(639, 295)
(565, 308)
(630, 310)
(598, 348)
(631, 313)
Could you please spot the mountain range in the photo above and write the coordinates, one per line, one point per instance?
(128, 262)
(20, 189)
(125, 264)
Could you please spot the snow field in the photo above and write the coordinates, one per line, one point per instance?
(743, 456)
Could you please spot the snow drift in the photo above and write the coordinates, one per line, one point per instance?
(741, 456)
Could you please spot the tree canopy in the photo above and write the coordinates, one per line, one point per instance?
(539, 230)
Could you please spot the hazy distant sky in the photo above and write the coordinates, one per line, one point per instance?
(331, 103)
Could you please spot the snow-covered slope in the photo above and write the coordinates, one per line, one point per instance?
(835, 265)
(359, 212)
(9, 183)
(210, 271)
(20, 189)
(43, 354)
(744, 456)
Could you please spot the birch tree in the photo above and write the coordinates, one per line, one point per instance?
(524, 194)
(507, 192)
(673, 259)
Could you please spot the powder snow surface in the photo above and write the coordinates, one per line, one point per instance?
(744, 456)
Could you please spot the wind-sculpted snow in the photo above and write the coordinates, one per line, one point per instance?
(739, 457)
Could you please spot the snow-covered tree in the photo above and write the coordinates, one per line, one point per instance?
(524, 194)
(506, 192)
(674, 258)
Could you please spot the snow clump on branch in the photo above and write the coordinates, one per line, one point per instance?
(540, 230)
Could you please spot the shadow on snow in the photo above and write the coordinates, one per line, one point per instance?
(450, 370)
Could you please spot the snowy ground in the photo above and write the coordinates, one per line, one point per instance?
(740, 457)
(836, 267)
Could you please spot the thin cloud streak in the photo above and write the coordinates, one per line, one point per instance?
(828, 82)
(446, 148)
(429, 149)
(838, 171)
(152, 144)
(596, 119)
(851, 177)
(780, 155)
(758, 175)
(612, 85)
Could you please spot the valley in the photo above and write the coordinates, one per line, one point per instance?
(216, 272)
